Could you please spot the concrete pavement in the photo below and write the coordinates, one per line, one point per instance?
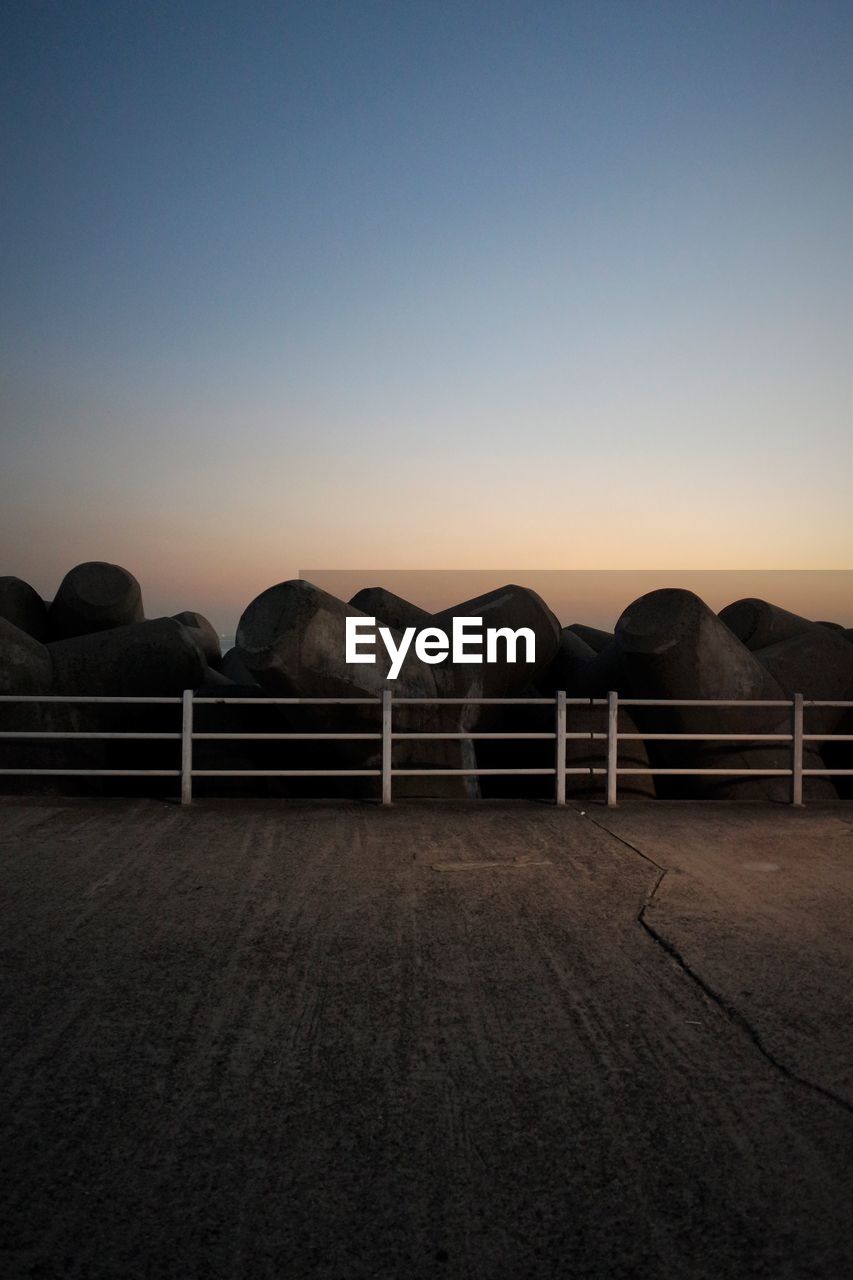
(464, 1040)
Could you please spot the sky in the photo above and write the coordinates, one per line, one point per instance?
(417, 284)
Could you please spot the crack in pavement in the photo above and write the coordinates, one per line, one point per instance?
(732, 1013)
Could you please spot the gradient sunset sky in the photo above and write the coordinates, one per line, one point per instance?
(424, 285)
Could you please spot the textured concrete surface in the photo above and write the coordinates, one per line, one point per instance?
(465, 1040)
(759, 906)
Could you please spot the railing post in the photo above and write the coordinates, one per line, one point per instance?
(612, 745)
(797, 751)
(187, 747)
(386, 746)
(560, 751)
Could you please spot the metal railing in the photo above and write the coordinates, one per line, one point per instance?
(560, 735)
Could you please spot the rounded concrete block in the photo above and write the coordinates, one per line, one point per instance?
(213, 678)
(594, 637)
(245, 715)
(587, 754)
(390, 610)
(839, 755)
(583, 673)
(158, 658)
(757, 623)
(21, 605)
(818, 664)
(25, 664)
(429, 755)
(26, 668)
(573, 655)
(236, 670)
(92, 597)
(513, 607)
(590, 753)
(675, 647)
(292, 638)
(292, 641)
(205, 635)
(49, 717)
(605, 672)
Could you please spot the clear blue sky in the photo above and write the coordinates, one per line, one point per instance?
(565, 285)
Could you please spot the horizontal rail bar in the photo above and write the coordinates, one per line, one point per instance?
(83, 698)
(579, 771)
(716, 773)
(705, 702)
(705, 737)
(125, 737)
(286, 702)
(477, 737)
(286, 737)
(469, 773)
(483, 702)
(94, 773)
(286, 773)
(375, 737)
(411, 702)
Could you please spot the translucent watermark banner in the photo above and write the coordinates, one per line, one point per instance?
(597, 597)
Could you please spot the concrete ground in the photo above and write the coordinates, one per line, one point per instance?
(460, 1040)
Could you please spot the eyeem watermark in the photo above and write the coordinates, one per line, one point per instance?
(433, 645)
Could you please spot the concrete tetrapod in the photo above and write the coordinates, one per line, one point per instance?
(581, 672)
(235, 669)
(509, 606)
(21, 605)
(585, 753)
(605, 672)
(676, 647)
(394, 611)
(94, 596)
(839, 755)
(818, 664)
(390, 610)
(26, 667)
(572, 658)
(245, 714)
(292, 640)
(757, 623)
(591, 753)
(512, 607)
(594, 637)
(159, 657)
(205, 635)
